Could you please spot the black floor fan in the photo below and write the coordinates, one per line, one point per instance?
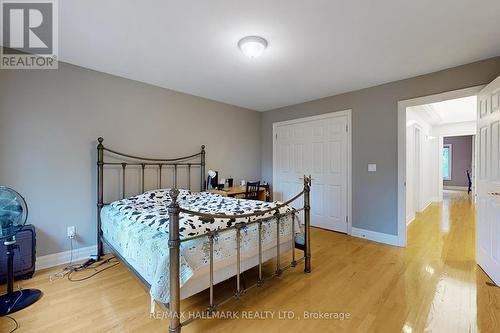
(13, 216)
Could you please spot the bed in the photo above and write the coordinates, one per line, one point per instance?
(179, 242)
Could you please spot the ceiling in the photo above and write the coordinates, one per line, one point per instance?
(316, 48)
(451, 111)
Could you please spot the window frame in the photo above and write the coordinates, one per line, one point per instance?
(450, 160)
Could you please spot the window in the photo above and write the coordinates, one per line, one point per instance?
(447, 161)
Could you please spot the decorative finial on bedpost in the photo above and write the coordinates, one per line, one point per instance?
(100, 140)
(203, 148)
(174, 193)
(174, 264)
(307, 183)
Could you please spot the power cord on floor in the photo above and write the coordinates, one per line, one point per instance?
(94, 267)
(15, 323)
(89, 264)
(12, 306)
(66, 269)
(15, 302)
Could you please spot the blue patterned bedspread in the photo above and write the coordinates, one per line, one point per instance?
(137, 228)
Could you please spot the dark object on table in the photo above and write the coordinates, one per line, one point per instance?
(25, 256)
(230, 182)
(252, 191)
(220, 187)
(470, 181)
(13, 216)
(266, 188)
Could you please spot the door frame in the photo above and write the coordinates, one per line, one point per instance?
(343, 113)
(417, 170)
(402, 105)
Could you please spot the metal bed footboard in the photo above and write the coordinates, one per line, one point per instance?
(174, 243)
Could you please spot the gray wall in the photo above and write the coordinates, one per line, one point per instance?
(461, 159)
(374, 135)
(49, 122)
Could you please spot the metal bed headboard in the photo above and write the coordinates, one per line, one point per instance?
(187, 162)
(174, 240)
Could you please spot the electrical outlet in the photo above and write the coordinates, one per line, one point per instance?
(71, 232)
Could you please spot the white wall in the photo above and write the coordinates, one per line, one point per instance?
(455, 129)
(428, 183)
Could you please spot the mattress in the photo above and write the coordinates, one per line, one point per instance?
(137, 228)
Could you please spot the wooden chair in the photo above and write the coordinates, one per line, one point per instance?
(469, 178)
(252, 191)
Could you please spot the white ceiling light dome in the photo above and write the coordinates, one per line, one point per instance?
(252, 46)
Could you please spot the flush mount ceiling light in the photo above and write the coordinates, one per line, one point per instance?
(252, 46)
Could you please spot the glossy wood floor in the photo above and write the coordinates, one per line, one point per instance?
(432, 285)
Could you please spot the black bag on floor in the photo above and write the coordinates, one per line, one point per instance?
(25, 255)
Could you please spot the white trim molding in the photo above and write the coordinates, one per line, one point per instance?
(375, 236)
(450, 160)
(60, 258)
(455, 188)
(410, 219)
(455, 129)
(427, 204)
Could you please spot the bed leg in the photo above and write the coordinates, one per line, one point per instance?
(174, 267)
(202, 169)
(211, 306)
(294, 262)
(307, 222)
(260, 281)
(278, 264)
(100, 195)
(239, 291)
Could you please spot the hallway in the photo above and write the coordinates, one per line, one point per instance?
(451, 287)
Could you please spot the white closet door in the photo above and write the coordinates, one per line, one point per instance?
(318, 147)
(488, 180)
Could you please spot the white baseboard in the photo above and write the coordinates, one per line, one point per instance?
(60, 258)
(455, 188)
(375, 236)
(426, 205)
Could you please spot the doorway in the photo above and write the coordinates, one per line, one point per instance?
(427, 128)
(439, 152)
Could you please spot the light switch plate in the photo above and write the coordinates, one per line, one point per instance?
(372, 167)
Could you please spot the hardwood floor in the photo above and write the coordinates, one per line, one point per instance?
(432, 285)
